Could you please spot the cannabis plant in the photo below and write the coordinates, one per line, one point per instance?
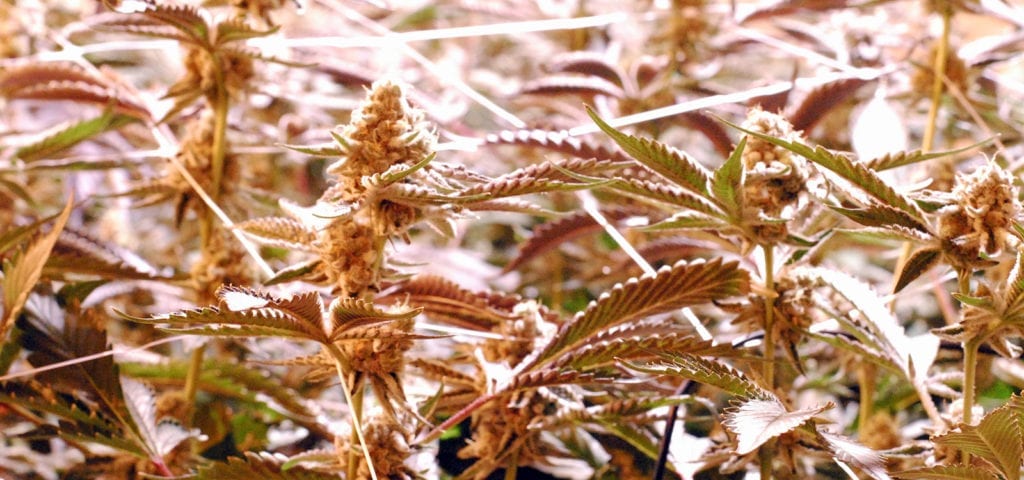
(361, 240)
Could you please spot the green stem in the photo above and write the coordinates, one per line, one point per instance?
(355, 401)
(767, 453)
(769, 316)
(970, 374)
(195, 370)
(938, 72)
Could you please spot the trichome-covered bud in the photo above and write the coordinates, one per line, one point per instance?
(775, 180)
(980, 221)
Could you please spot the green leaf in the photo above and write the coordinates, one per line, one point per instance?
(1013, 297)
(899, 159)
(235, 29)
(756, 421)
(294, 272)
(666, 161)
(915, 265)
(998, 439)
(705, 371)
(877, 215)
(728, 181)
(942, 472)
(665, 194)
(244, 312)
(348, 314)
(686, 221)
(321, 150)
(854, 172)
(22, 273)
(682, 285)
(71, 135)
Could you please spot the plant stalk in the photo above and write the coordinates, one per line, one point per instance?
(866, 378)
(341, 366)
(195, 370)
(938, 72)
(767, 452)
(970, 374)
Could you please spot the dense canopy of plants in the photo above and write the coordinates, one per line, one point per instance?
(452, 239)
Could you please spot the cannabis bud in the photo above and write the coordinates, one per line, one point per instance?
(775, 180)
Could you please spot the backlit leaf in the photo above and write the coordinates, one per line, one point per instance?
(67, 136)
(756, 421)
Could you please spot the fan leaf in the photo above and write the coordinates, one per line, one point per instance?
(668, 162)
(728, 181)
(22, 272)
(705, 371)
(998, 439)
(671, 288)
(756, 421)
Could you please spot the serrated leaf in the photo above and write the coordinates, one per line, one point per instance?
(442, 299)
(571, 84)
(756, 421)
(232, 380)
(159, 438)
(71, 135)
(257, 315)
(705, 371)
(22, 273)
(916, 264)
(235, 29)
(666, 161)
(280, 231)
(728, 180)
(348, 314)
(854, 172)
(601, 352)
(78, 253)
(856, 454)
(560, 142)
(877, 215)
(686, 221)
(899, 159)
(1013, 297)
(295, 272)
(263, 466)
(944, 472)
(671, 288)
(549, 235)
(665, 194)
(320, 150)
(998, 439)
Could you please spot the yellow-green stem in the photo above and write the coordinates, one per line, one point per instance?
(767, 452)
(938, 72)
(195, 370)
(341, 365)
(970, 373)
(769, 316)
